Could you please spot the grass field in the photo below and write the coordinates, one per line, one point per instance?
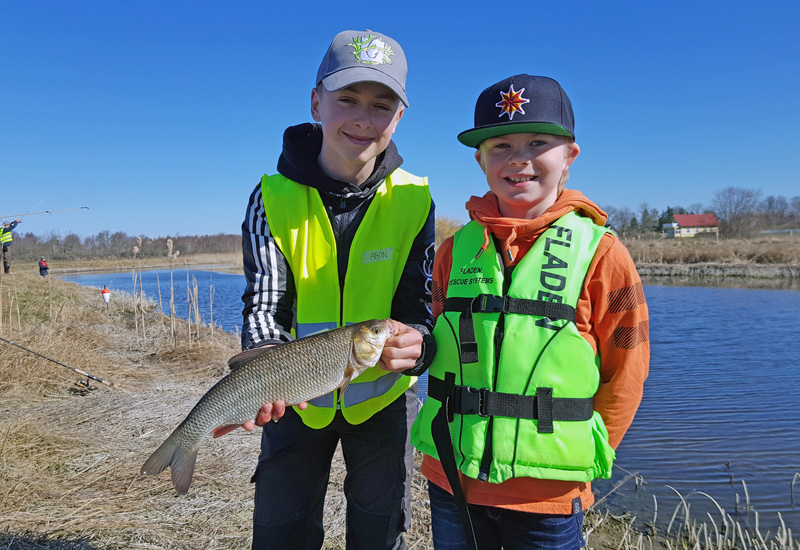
(70, 456)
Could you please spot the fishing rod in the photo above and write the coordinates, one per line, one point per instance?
(45, 212)
(80, 383)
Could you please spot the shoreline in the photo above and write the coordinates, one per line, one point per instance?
(645, 269)
(720, 270)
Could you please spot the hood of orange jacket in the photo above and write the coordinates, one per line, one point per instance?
(517, 235)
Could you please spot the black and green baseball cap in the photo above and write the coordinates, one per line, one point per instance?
(520, 104)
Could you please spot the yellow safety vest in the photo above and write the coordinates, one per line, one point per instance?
(302, 230)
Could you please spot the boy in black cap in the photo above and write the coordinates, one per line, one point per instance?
(340, 235)
(542, 338)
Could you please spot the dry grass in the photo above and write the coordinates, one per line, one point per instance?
(69, 458)
(779, 249)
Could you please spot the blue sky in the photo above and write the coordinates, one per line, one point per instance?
(161, 117)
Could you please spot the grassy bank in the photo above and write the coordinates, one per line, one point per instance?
(227, 262)
(767, 250)
(70, 457)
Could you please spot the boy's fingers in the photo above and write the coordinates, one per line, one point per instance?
(264, 415)
(270, 411)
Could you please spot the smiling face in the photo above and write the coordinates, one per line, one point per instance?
(525, 170)
(357, 125)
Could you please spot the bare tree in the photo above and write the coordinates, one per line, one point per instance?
(621, 220)
(445, 227)
(735, 209)
(774, 210)
(697, 208)
(794, 210)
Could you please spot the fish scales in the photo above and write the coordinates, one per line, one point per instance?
(297, 371)
(293, 372)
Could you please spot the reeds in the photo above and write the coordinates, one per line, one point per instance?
(172, 258)
(778, 250)
(69, 460)
(712, 532)
(12, 300)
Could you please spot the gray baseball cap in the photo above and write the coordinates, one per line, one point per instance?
(364, 56)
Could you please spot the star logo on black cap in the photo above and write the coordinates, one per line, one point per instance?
(511, 103)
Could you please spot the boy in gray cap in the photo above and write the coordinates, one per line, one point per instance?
(339, 235)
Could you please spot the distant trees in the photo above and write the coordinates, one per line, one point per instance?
(445, 227)
(117, 245)
(741, 213)
(735, 209)
(794, 210)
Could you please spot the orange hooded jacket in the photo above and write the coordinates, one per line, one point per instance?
(611, 315)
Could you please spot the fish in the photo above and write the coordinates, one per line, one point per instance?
(293, 372)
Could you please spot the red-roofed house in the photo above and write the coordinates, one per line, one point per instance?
(689, 225)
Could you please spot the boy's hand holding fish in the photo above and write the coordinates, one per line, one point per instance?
(400, 352)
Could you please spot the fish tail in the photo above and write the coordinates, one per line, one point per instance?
(179, 459)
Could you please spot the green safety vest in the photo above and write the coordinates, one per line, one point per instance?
(5, 235)
(302, 230)
(517, 375)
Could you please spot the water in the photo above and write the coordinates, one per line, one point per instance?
(720, 407)
(227, 290)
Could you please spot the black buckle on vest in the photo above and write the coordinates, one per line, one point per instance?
(470, 400)
(489, 303)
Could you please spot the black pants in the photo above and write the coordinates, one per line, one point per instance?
(6, 258)
(294, 468)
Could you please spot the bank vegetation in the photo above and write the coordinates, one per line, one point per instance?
(71, 446)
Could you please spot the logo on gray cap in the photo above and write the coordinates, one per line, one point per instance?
(364, 56)
(371, 50)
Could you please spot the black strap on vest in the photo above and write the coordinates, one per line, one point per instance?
(489, 303)
(542, 407)
(440, 431)
(467, 400)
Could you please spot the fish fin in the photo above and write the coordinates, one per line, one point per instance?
(180, 460)
(240, 359)
(348, 375)
(219, 431)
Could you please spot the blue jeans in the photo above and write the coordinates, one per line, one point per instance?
(497, 528)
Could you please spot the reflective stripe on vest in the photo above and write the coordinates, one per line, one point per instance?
(544, 359)
(5, 235)
(307, 329)
(359, 393)
(302, 230)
